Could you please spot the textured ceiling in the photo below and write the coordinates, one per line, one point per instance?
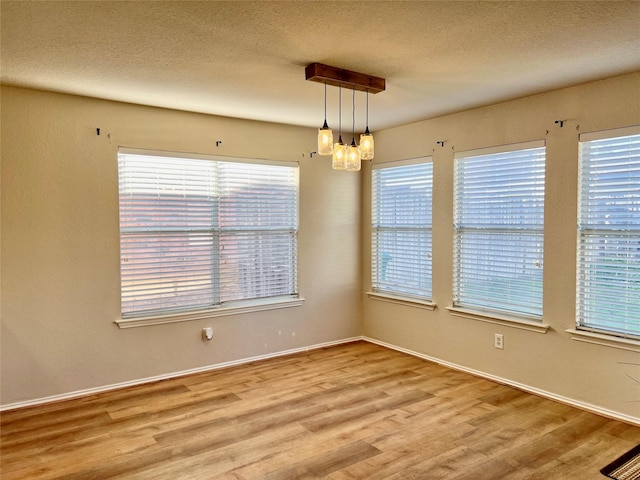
(246, 59)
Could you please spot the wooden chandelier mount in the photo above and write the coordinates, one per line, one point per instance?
(339, 77)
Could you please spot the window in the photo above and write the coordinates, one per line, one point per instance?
(197, 232)
(608, 284)
(401, 228)
(499, 213)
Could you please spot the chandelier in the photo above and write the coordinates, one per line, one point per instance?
(345, 157)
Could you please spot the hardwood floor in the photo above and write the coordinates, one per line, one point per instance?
(355, 411)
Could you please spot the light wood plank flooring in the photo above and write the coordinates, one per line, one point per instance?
(355, 411)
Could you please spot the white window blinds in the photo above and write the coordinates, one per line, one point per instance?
(258, 221)
(195, 232)
(401, 229)
(608, 284)
(499, 222)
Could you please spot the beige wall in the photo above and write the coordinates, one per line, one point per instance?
(60, 262)
(60, 246)
(553, 363)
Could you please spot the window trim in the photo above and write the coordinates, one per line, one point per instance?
(402, 300)
(605, 339)
(204, 156)
(533, 324)
(509, 147)
(232, 307)
(611, 133)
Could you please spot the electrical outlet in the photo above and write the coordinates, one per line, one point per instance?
(207, 333)
(498, 341)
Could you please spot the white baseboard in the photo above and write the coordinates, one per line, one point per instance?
(526, 388)
(141, 381)
(542, 393)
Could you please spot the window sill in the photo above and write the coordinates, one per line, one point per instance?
(498, 319)
(410, 302)
(606, 340)
(237, 309)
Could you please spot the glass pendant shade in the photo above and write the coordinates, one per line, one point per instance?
(366, 145)
(325, 140)
(339, 160)
(366, 139)
(353, 157)
(325, 135)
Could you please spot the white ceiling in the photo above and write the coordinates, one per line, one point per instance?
(246, 59)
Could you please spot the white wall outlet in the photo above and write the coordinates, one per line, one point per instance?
(207, 333)
(498, 341)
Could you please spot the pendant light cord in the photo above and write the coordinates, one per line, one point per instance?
(366, 131)
(353, 117)
(340, 109)
(325, 103)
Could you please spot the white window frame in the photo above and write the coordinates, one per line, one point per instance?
(217, 231)
(419, 293)
(596, 233)
(530, 234)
